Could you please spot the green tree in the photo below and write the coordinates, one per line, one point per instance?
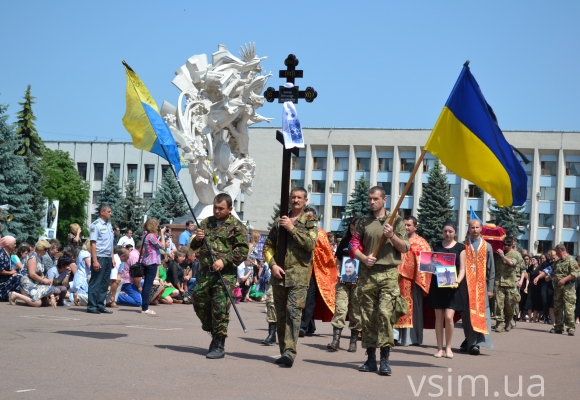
(434, 205)
(62, 182)
(358, 205)
(169, 202)
(131, 209)
(511, 219)
(15, 184)
(111, 195)
(275, 215)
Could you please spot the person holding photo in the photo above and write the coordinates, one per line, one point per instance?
(446, 300)
(350, 273)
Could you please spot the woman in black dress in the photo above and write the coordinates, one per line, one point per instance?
(534, 301)
(447, 300)
(523, 314)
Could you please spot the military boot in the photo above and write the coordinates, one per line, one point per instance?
(500, 327)
(385, 369)
(211, 345)
(218, 348)
(371, 364)
(335, 344)
(353, 339)
(271, 339)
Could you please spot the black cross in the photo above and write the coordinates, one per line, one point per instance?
(285, 94)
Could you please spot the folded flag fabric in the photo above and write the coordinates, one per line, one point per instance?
(468, 141)
(144, 123)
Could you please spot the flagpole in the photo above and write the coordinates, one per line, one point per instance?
(206, 244)
(405, 190)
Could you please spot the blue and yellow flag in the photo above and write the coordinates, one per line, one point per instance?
(142, 120)
(468, 141)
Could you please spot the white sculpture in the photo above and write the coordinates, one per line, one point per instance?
(218, 102)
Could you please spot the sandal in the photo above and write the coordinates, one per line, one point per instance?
(150, 312)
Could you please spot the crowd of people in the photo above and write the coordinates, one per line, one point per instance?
(372, 275)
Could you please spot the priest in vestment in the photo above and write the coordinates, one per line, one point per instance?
(414, 285)
(480, 276)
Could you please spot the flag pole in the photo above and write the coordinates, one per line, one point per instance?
(206, 244)
(405, 190)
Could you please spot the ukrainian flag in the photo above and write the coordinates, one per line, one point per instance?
(142, 120)
(468, 141)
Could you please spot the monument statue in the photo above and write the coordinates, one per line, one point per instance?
(217, 104)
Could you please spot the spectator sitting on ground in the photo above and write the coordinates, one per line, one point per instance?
(34, 286)
(59, 275)
(17, 257)
(80, 287)
(127, 239)
(175, 273)
(190, 268)
(49, 258)
(121, 255)
(245, 277)
(131, 290)
(9, 279)
(170, 295)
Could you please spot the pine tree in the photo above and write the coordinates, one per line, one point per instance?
(111, 195)
(131, 210)
(509, 218)
(15, 184)
(61, 181)
(358, 205)
(275, 215)
(434, 205)
(169, 202)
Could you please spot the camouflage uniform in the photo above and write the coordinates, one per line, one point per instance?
(504, 289)
(346, 301)
(290, 292)
(378, 286)
(270, 308)
(520, 267)
(228, 242)
(564, 296)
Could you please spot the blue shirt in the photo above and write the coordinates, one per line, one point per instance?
(101, 233)
(184, 238)
(55, 276)
(80, 284)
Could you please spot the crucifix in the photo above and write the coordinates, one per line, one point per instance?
(289, 92)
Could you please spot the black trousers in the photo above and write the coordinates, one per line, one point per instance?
(307, 325)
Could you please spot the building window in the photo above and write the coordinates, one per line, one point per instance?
(529, 194)
(298, 163)
(454, 190)
(402, 188)
(448, 171)
(528, 167)
(116, 168)
(82, 168)
(524, 244)
(570, 221)
(164, 169)
(341, 163)
(549, 168)
(149, 172)
(571, 194)
(297, 183)
(475, 192)
(407, 164)
(318, 186)
(385, 165)
(147, 195)
(405, 212)
(573, 168)
(455, 215)
(544, 246)
(478, 213)
(570, 247)
(546, 220)
(319, 163)
(337, 212)
(132, 171)
(99, 170)
(363, 164)
(427, 165)
(386, 187)
(96, 195)
(339, 187)
(547, 193)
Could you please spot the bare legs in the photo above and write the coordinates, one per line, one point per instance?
(444, 317)
(17, 296)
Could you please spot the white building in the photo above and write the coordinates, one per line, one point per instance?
(335, 158)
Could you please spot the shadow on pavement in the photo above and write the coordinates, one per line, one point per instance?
(316, 346)
(252, 340)
(183, 349)
(355, 365)
(93, 335)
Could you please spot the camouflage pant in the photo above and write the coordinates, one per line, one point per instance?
(518, 298)
(377, 291)
(346, 301)
(505, 297)
(289, 302)
(211, 302)
(270, 308)
(564, 304)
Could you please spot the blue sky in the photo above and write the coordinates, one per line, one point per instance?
(380, 64)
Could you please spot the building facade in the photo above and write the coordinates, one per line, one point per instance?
(334, 159)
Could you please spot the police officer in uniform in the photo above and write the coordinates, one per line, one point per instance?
(102, 260)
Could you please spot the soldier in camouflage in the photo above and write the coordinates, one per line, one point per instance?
(521, 274)
(227, 238)
(505, 285)
(290, 285)
(564, 272)
(378, 285)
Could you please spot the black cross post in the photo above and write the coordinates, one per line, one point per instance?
(283, 95)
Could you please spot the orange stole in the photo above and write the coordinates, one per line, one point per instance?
(325, 273)
(409, 272)
(476, 285)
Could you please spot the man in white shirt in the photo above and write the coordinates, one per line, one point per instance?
(127, 239)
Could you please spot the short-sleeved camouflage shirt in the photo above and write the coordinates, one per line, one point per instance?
(505, 275)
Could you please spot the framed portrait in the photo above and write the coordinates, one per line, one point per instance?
(446, 276)
(349, 270)
(430, 260)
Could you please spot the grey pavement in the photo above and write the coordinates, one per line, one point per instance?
(66, 353)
